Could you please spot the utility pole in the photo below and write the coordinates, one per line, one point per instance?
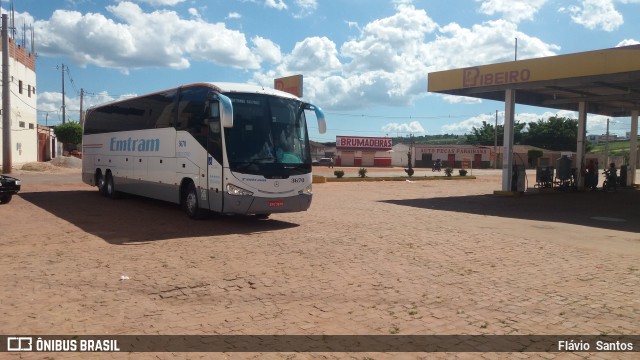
(81, 112)
(606, 147)
(495, 143)
(411, 159)
(6, 99)
(63, 107)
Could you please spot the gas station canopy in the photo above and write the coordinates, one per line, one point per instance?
(604, 82)
(608, 81)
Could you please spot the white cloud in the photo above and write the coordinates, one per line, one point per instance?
(596, 124)
(455, 99)
(388, 62)
(413, 127)
(384, 65)
(161, 2)
(234, 15)
(489, 42)
(276, 4)
(194, 12)
(353, 25)
(627, 42)
(306, 7)
(49, 102)
(465, 126)
(303, 7)
(50, 105)
(137, 39)
(266, 49)
(315, 55)
(597, 14)
(512, 10)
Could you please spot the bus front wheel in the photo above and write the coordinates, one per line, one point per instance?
(190, 202)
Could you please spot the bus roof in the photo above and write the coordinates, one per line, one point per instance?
(223, 87)
(247, 88)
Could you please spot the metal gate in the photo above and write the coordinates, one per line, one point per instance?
(347, 158)
(368, 158)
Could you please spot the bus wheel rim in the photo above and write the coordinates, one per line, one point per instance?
(191, 201)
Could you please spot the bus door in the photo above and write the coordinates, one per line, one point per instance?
(214, 161)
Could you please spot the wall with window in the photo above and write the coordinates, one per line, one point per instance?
(24, 135)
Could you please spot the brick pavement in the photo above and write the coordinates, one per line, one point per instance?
(429, 257)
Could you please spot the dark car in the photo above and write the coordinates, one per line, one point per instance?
(9, 186)
(325, 162)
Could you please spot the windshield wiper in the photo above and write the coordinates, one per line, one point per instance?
(256, 161)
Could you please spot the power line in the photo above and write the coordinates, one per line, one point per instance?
(73, 84)
(29, 105)
(409, 117)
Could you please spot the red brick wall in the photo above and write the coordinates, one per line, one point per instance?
(20, 54)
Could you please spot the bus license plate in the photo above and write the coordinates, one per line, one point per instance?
(276, 203)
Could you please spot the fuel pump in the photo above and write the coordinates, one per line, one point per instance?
(518, 178)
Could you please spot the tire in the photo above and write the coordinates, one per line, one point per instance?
(190, 202)
(5, 199)
(110, 187)
(100, 183)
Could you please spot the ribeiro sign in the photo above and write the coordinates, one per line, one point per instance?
(473, 77)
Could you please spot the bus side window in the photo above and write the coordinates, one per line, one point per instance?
(191, 107)
(162, 109)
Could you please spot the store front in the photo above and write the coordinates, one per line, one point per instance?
(455, 156)
(363, 151)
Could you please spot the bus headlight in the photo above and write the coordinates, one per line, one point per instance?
(238, 191)
(306, 191)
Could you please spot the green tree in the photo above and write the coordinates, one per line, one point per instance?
(485, 135)
(534, 155)
(556, 133)
(69, 133)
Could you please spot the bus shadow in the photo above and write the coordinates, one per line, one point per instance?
(613, 211)
(135, 220)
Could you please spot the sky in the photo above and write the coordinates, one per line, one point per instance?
(364, 62)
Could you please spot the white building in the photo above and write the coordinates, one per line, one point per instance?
(459, 156)
(603, 138)
(24, 136)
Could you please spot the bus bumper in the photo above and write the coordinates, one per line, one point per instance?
(249, 205)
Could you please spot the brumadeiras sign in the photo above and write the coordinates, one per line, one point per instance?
(374, 143)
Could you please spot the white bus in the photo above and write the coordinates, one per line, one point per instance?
(228, 148)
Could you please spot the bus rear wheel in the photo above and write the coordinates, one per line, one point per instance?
(190, 202)
(110, 186)
(100, 183)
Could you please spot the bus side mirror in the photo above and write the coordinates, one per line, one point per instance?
(224, 110)
(322, 124)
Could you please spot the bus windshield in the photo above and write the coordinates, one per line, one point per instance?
(269, 136)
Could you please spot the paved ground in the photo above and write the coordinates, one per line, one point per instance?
(424, 257)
